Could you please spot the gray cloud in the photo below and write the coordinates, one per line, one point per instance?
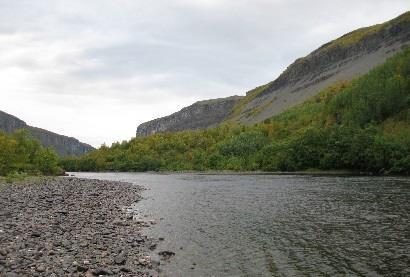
(114, 64)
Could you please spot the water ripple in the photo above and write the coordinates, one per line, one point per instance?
(240, 225)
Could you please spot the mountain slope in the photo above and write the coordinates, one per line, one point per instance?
(345, 58)
(64, 146)
(359, 125)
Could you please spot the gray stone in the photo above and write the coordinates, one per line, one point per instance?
(101, 271)
(41, 268)
(120, 259)
(82, 268)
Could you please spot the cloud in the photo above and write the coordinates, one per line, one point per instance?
(96, 69)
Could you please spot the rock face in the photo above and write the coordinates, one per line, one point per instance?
(9, 123)
(343, 59)
(200, 115)
(64, 146)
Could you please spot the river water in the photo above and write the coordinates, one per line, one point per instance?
(267, 225)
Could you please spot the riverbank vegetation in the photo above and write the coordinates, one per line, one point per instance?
(21, 155)
(361, 125)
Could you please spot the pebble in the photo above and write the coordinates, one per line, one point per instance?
(61, 226)
(120, 259)
(41, 268)
(101, 271)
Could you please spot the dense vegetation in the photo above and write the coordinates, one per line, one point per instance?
(362, 125)
(20, 154)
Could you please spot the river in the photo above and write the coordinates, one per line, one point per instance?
(270, 225)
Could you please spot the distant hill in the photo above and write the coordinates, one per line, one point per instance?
(343, 59)
(64, 146)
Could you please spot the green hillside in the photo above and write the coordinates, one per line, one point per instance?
(361, 125)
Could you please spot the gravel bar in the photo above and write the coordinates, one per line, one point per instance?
(73, 227)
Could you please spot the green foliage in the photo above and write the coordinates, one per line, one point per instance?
(362, 125)
(242, 145)
(384, 92)
(20, 154)
(46, 161)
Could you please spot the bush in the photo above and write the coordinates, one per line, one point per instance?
(22, 154)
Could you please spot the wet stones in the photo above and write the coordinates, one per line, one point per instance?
(144, 260)
(166, 255)
(75, 227)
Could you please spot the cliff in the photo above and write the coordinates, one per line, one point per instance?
(63, 145)
(343, 59)
(200, 115)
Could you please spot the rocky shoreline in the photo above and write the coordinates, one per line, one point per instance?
(76, 227)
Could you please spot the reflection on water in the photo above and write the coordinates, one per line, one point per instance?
(264, 225)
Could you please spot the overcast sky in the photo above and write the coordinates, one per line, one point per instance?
(95, 69)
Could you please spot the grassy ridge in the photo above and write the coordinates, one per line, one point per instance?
(250, 95)
(356, 36)
(362, 125)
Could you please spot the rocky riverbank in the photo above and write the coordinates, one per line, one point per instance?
(76, 227)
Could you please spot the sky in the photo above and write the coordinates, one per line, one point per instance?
(96, 69)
